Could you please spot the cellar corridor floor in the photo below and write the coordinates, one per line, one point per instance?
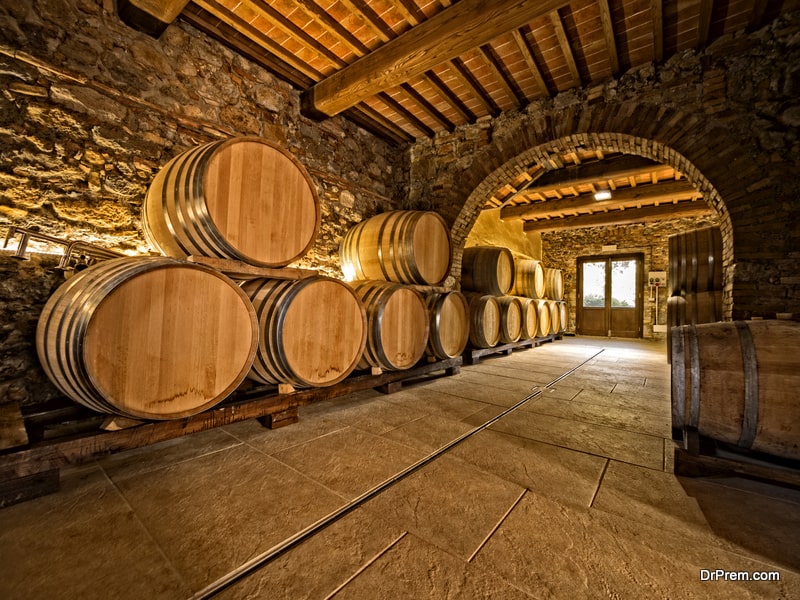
(571, 495)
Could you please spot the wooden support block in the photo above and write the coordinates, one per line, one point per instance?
(390, 388)
(12, 426)
(508, 351)
(280, 419)
(117, 423)
(691, 440)
(286, 388)
(453, 370)
(376, 371)
(20, 489)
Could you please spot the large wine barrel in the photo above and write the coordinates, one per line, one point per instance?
(449, 324)
(543, 312)
(553, 284)
(313, 331)
(510, 319)
(563, 316)
(484, 320)
(530, 318)
(555, 316)
(695, 261)
(737, 382)
(397, 325)
(242, 199)
(147, 337)
(487, 269)
(404, 246)
(528, 278)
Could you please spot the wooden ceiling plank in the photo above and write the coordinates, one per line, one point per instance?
(264, 41)
(405, 113)
(704, 22)
(613, 168)
(461, 73)
(371, 120)
(333, 27)
(757, 14)
(648, 214)
(651, 193)
(427, 107)
(446, 35)
(657, 9)
(446, 93)
(566, 49)
(527, 55)
(487, 54)
(409, 10)
(271, 15)
(608, 35)
(360, 8)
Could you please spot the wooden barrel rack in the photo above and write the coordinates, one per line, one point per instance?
(474, 355)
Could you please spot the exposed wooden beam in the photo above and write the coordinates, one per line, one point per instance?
(150, 16)
(451, 32)
(622, 217)
(522, 46)
(627, 198)
(371, 120)
(405, 113)
(427, 107)
(333, 27)
(446, 93)
(566, 50)
(409, 10)
(360, 8)
(757, 14)
(657, 9)
(608, 35)
(487, 54)
(704, 22)
(467, 80)
(628, 165)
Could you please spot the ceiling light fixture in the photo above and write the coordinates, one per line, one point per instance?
(602, 195)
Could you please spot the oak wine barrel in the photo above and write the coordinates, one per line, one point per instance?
(397, 325)
(737, 382)
(487, 269)
(484, 320)
(404, 246)
(242, 199)
(147, 337)
(449, 324)
(312, 331)
(530, 318)
(563, 316)
(543, 312)
(555, 316)
(553, 284)
(695, 261)
(528, 278)
(510, 319)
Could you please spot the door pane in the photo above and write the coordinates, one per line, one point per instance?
(594, 284)
(623, 283)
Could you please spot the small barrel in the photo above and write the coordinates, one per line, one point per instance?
(397, 325)
(484, 320)
(449, 324)
(737, 382)
(528, 278)
(555, 316)
(487, 269)
(543, 312)
(553, 284)
(242, 199)
(313, 331)
(147, 337)
(404, 246)
(529, 319)
(510, 319)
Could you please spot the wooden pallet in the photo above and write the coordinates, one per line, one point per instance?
(473, 355)
(65, 433)
(701, 456)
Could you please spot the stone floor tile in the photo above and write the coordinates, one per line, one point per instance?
(211, 514)
(565, 475)
(83, 542)
(448, 503)
(428, 433)
(426, 401)
(483, 393)
(658, 405)
(481, 378)
(415, 569)
(350, 461)
(269, 441)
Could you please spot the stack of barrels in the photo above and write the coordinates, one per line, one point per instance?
(394, 261)
(163, 338)
(694, 278)
(511, 298)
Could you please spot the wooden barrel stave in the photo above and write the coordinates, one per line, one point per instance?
(543, 314)
(528, 278)
(510, 319)
(487, 269)
(484, 320)
(449, 324)
(530, 318)
(553, 284)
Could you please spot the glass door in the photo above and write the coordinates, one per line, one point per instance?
(610, 297)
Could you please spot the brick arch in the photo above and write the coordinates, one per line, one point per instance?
(705, 154)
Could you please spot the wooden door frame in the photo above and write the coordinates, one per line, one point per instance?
(639, 258)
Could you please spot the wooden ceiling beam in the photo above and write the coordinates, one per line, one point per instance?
(405, 113)
(333, 27)
(628, 165)
(371, 120)
(704, 23)
(467, 80)
(360, 8)
(409, 10)
(427, 107)
(446, 93)
(451, 32)
(657, 10)
(647, 214)
(150, 17)
(627, 198)
(608, 36)
(527, 55)
(566, 49)
(487, 54)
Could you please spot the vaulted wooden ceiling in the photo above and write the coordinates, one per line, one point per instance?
(409, 69)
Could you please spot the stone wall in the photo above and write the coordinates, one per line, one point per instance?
(561, 250)
(728, 118)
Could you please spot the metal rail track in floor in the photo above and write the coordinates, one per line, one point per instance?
(281, 548)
